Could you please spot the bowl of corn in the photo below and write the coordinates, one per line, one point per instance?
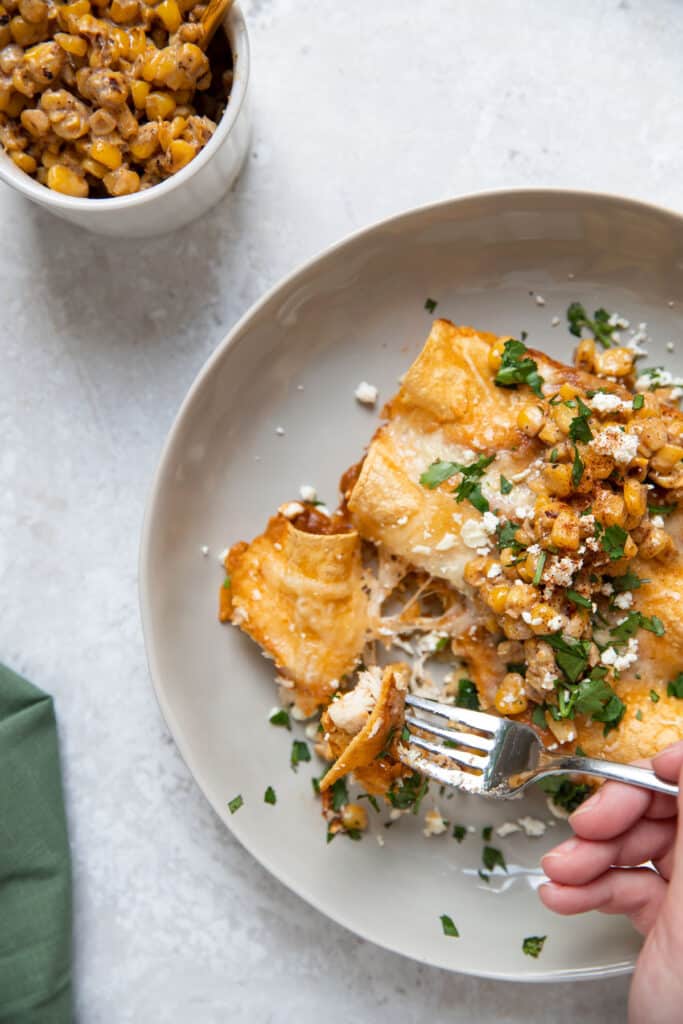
(113, 114)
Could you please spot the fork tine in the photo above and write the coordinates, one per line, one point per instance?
(467, 739)
(463, 716)
(447, 776)
(461, 757)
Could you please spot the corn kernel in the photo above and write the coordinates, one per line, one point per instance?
(495, 356)
(91, 166)
(657, 544)
(567, 392)
(615, 362)
(609, 509)
(530, 419)
(145, 143)
(24, 161)
(15, 104)
(137, 42)
(564, 731)
(169, 13)
(550, 433)
(511, 696)
(122, 11)
(159, 106)
(586, 354)
(668, 456)
(33, 11)
(181, 153)
(139, 90)
(496, 597)
(75, 45)
(62, 179)
(106, 153)
(635, 497)
(25, 33)
(563, 417)
(558, 479)
(354, 816)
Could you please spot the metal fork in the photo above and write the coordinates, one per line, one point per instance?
(496, 757)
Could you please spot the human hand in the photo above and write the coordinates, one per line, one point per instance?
(617, 829)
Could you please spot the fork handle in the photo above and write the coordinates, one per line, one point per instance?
(629, 773)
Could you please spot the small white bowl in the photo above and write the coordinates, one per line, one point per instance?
(184, 196)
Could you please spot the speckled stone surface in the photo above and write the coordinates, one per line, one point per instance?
(361, 110)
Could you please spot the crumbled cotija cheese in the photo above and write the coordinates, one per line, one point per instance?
(435, 825)
(624, 600)
(604, 402)
(494, 572)
(291, 509)
(308, 493)
(621, 661)
(490, 522)
(507, 828)
(447, 542)
(474, 534)
(366, 393)
(532, 826)
(620, 446)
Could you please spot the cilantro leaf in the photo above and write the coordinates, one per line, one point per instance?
(533, 945)
(654, 696)
(340, 794)
(571, 655)
(505, 533)
(408, 792)
(269, 796)
(564, 792)
(438, 473)
(486, 833)
(538, 717)
(505, 485)
(599, 326)
(638, 402)
(449, 927)
(577, 468)
(227, 583)
(518, 368)
(300, 752)
(579, 428)
(629, 581)
(280, 717)
(467, 696)
(491, 857)
(661, 510)
(430, 305)
(235, 804)
(675, 688)
(613, 540)
(579, 599)
(459, 832)
(540, 565)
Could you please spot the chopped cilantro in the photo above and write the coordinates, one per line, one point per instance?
(533, 945)
(629, 581)
(518, 368)
(571, 655)
(632, 623)
(577, 468)
(405, 734)
(517, 666)
(340, 794)
(388, 743)
(540, 565)
(554, 456)
(661, 510)
(505, 533)
(491, 857)
(613, 540)
(505, 485)
(372, 800)
(300, 752)
(579, 599)
(409, 792)
(675, 688)
(448, 927)
(280, 717)
(486, 833)
(599, 326)
(638, 402)
(235, 804)
(269, 796)
(227, 583)
(316, 785)
(469, 488)
(654, 696)
(438, 473)
(467, 696)
(430, 305)
(459, 832)
(442, 643)
(639, 715)
(484, 877)
(579, 428)
(564, 793)
(538, 717)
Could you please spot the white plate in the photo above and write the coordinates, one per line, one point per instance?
(357, 313)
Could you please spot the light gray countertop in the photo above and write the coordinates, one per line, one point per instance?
(361, 110)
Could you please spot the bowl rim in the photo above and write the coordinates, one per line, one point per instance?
(235, 28)
(232, 338)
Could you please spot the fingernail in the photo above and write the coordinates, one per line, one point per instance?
(563, 849)
(587, 805)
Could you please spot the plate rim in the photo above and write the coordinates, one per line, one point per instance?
(230, 339)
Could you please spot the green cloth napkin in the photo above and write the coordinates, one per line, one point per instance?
(35, 868)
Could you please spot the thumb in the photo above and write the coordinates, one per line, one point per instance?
(674, 901)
